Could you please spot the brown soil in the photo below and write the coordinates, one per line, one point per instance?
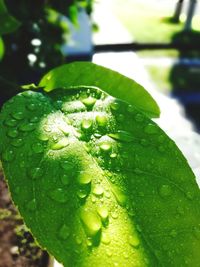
(17, 247)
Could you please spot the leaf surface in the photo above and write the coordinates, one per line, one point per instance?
(7, 22)
(97, 182)
(112, 82)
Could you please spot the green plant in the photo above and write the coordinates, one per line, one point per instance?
(95, 179)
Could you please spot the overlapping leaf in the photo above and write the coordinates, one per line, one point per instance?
(112, 82)
(97, 182)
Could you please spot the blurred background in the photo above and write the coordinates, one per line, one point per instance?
(155, 42)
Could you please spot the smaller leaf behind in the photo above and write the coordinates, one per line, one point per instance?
(112, 82)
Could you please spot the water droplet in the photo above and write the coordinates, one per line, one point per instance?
(34, 119)
(64, 128)
(119, 195)
(85, 177)
(37, 148)
(134, 241)
(89, 242)
(91, 222)
(78, 240)
(103, 213)
(114, 214)
(151, 129)
(59, 195)
(12, 133)
(126, 256)
(197, 232)
(27, 127)
(139, 117)
(89, 102)
(82, 193)
(123, 136)
(120, 118)
(105, 238)
(8, 155)
(101, 120)
(19, 115)
(43, 137)
(86, 124)
(165, 190)
(130, 109)
(113, 155)
(36, 172)
(161, 138)
(31, 106)
(31, 205)
(64, 232)
(109, 253)
(105, 146)
(66, 165)
(60, 144)
(65, 179)
(98, 190)
(115, 105)
(11, 122)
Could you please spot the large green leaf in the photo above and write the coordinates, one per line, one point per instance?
(112, 82)
(97, 182)
(7, 22)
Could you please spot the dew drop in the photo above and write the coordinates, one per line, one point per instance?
(105, 146)
(64, 232)
(27, 127)
(60, 144)
(180, 210)
(65, 179)
(31, 205)
(151, 129)
(139, 117)
(59, 195)
(109, 253)
(134, 241)
(37, 148)
(89, 102)
(11, 122)
(165, 190)
(84, 178)
(12, 133)
(123, 136)
(86, 124)
(43, 137)
(34, 119)
(64, 128)
(103, 213)
(31, 106)
(114, 214)
(91, 222)
(115, 105)
(113, 155)
(66, 165)
(101, 120)
(78, 240)
(89, 242)
(119, 195)
(130, 108)
(18, 115)
(161, 148)
(105, 238)
(8, 155)
(82, 193)
(126, 256)
(98, 190)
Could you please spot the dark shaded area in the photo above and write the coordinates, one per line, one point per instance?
(185, 75)
(18, 248)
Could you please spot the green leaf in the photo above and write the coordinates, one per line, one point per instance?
(2, 48)
(112, 82)
(7, 22)
(97, 182)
